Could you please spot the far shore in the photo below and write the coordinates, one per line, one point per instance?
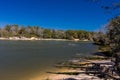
(33, 38)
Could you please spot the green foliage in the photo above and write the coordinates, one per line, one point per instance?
(79, 34)
(71, 34)
(36, 31)
(47, 33)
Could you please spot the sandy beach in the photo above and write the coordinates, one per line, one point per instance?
(32, 38)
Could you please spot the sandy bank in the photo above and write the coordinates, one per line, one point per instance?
(33, 38)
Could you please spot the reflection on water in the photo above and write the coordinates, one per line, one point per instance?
(22, 60)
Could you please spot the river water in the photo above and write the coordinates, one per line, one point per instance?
(25, 60)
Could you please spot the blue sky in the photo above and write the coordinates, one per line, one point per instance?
(54, 14)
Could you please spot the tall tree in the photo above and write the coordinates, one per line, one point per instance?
(47, 33)
(113, 33)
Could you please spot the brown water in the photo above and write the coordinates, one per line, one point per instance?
(25, 60)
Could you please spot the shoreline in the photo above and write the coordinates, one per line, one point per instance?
(54, 76)
(37, 39)
(61, 69)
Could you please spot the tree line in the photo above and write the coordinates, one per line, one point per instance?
(111, 38)
(39, 32)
